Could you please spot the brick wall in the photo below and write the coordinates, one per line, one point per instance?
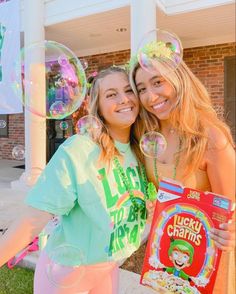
(206, 62)
(100, 61)
(16, 136)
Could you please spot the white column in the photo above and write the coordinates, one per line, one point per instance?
(35, 126)
(143, 20)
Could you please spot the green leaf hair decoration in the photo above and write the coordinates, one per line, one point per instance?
(89, 85)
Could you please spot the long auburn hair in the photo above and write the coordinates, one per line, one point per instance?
(192, 117)
(104, 140)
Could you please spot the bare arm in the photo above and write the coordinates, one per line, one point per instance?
(220, 161)
(22, 232)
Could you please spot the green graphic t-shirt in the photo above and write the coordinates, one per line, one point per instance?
(97, 216)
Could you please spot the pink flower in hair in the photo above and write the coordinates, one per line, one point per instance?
(94, 74)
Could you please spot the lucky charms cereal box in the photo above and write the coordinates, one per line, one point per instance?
(180, 256)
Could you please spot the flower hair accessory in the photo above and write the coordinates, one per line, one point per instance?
(158, 50)
(94, 74)
(154, 50)
(164, 53)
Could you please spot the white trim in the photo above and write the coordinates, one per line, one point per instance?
(171, 7)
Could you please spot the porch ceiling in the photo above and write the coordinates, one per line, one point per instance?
(97, 33)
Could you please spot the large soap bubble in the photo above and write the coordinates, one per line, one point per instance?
(160, 51)
(65, 80)
(62, 275)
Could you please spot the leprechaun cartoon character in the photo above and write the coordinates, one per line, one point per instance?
(2, 34)
(181, 254)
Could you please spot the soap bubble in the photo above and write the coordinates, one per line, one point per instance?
(66, 266)
(160, 51)
(3, 123)
(18, 152)
(89, 125)
(64, 125)
(65, 80)
(153, 144)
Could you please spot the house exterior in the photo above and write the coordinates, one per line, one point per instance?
(104, 33)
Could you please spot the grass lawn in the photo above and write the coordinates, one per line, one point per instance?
(16, 281)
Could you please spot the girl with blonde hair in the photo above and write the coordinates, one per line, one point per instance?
(97, 187)
(200, 149)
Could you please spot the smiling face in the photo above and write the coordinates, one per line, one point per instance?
(156, 94)
(118, 105)
(180, 259)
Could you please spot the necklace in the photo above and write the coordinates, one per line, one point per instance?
(175, 165)
(122, 147)
(124, 151)
(148, 187)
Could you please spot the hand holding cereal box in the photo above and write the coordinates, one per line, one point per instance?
(181, 257)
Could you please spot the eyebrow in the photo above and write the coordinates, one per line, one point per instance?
(153, 78)
(110, 89)
(115, 89)
(127, 86)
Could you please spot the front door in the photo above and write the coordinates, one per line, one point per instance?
(57, 132)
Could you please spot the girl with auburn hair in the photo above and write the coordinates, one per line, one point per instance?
(200, 149)
(97, 187)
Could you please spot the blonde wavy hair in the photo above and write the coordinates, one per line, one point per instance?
(192, 117)
(104, 140)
